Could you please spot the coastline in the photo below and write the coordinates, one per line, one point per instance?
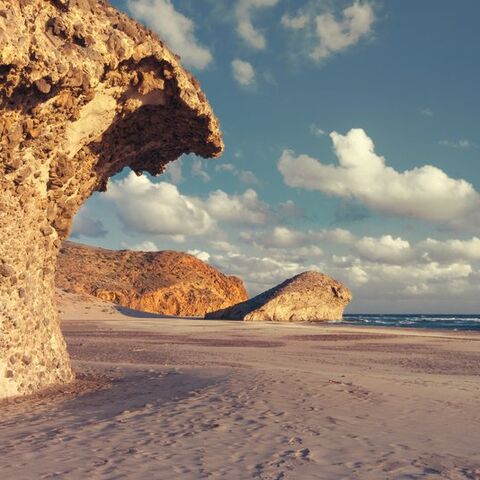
(192, 398)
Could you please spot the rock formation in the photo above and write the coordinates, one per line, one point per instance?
(308, 297)
(171, 283)
(84, 92)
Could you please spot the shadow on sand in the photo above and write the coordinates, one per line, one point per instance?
(129, 312)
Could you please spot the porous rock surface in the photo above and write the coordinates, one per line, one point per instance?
(166, 282)
(84, 92)
(307, 297)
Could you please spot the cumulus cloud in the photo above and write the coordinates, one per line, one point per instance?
(175, 28)
(157, 208)
(337, 35)
(245, 28)
(357, 275)
(243, 72)
(87, 226)
(333, 34)
(425, 193)
(452, 249)
(146, 207)
(337, 235)
(385, 249)
(244, 208)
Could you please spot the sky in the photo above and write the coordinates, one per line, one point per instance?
(352, 147)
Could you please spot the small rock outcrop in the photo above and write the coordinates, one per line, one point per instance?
(308, 297)
(84, 92)
(167, 282)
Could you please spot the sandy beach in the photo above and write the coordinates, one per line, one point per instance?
(166, 398)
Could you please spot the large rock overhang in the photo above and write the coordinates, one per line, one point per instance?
(84, 92)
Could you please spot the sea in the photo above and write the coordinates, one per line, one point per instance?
(458, 322)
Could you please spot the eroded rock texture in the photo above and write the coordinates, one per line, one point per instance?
(84, 92)
(167, 282)
(308, 297)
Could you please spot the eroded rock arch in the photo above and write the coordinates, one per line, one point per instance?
(84, 92)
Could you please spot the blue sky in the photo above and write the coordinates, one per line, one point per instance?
(352, 147)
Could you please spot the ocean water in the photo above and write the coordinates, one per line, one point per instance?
(433, 321)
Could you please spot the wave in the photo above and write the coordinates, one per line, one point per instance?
(438, 321)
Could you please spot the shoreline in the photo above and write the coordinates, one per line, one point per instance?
(191, 399)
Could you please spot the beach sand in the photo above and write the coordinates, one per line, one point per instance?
(163, 398)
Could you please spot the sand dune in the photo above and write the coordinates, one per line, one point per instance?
(191, 399)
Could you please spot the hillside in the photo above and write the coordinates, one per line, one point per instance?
(166, 282)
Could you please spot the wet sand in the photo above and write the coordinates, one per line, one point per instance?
(165, 398)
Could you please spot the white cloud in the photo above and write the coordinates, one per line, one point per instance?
(432, 273)
(385, 249)
(223, 246)
(152, 208)
(157, 208)
(279, 237)
(297, 22)
(332, 32)
(244, 208)
(416, 286)
(243, 72)
(335, 36)
(425, 193)
(200, 254)
(337, 235)
(357, 275)
(451, 250)
(284, 237)
(245, 27)
(176, 29)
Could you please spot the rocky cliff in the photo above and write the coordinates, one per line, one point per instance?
(308, 297)
(84, 92)
(171, 283)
